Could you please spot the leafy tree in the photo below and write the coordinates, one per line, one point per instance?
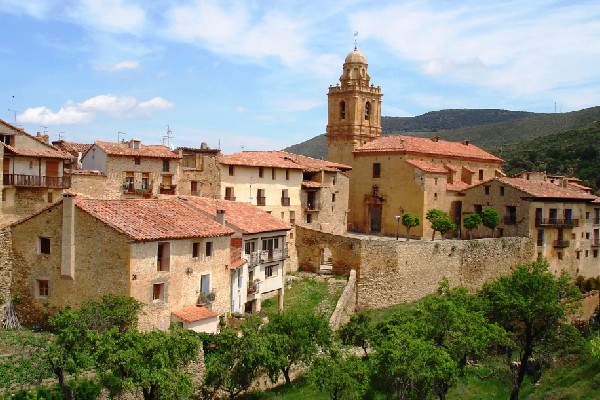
(531, 304)
(358, 331)
(471, 222)
(342, 377)
(296, 337)
(440, 222)
(490, 219)
(410, 221)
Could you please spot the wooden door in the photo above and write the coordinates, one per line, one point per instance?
(6, 166)
(376, 218)
(52, 168)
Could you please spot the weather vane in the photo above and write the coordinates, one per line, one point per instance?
(355, 40)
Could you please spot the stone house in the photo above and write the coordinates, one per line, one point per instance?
(562, 219)
(199, 171)
(128, 170)
(32, 172)
(76, 150)
(393, 175)
(161, 252)
(258, 251)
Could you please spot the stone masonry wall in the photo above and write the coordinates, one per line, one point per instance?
(346, 304)
(6, 266)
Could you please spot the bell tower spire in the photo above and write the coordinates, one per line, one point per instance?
(354, 109)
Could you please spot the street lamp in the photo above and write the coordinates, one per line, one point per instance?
(398, 227)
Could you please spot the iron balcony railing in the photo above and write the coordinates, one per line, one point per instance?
(167, 189)
(596, 221)
(560, 244)
(261, 201)
(230, 198)
(58, 182)
(312, 206)
(273, 255)
(557, 222)
(510, 219)
(285, 201)
(595, 242)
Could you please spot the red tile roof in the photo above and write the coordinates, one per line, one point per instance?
(123, 149)
(312, 184)
(400, 144)
(543, 189)
(242, 216)
(427, 166)
(153, 219)
(281, 159)
(457, 186)
(50, 152)
(71, 147)
(194, 313)
(235, 264)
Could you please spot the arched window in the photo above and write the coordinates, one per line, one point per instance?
(342, 109)
(367, 110)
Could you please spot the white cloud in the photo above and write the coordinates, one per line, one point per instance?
(115, 16)
(240, 109)
(78, 113)
(120, 66)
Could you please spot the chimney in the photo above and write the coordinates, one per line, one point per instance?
(466, 142)
(67, 267)
(135, 144)
(221, 217)
(203, 146)
(436, 138)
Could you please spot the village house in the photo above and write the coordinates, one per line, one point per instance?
(562, 217)
(394, 175)
(76, 150)
(127, 170)
(32, 172)
(199, 171)
(258, 251)
(162, 252)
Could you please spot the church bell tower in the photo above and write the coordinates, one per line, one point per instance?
(354, 110)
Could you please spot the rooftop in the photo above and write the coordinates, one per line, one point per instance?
(281, 159)
(124, 149)
(544, 190)
(428, 166)
(71, 147)
(50, 152)
(194, 313)
(399, 144)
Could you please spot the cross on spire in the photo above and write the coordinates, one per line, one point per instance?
(355, 40)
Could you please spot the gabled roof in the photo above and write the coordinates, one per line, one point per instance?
(427, 166)
(194, 313)
(153, 219)
(123, 150)
(399, 144)
(281, 159)
(71, 147)
(539, 189)
(242, 216)
(50, 152)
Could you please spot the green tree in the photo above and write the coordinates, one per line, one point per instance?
(490, 219)
(410, 221)
(440, 222)
(358, 331)
(532, 305)
(342, 377)
(471, 222)
(295, 337)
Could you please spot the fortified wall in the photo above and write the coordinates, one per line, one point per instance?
(390, 272)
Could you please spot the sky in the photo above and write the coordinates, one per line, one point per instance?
(254, 75)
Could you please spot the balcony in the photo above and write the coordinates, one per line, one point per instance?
(595, 242)
(167, 189)
(132, 190)
(253, 288)
(596, 221)
(510, 219)
(556, 222)
(273, 255)
(561, 244)
(285, 201)
(261, 201)
(253, 259)
(57, 182)
(312, 206)
(230, 198)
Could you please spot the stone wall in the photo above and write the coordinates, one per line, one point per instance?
(24, 201)
(6, 266)
(391, 272)
(346, 304)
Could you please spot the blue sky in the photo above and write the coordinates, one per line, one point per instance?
(255, 74)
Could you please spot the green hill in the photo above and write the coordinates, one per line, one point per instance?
(575, 152)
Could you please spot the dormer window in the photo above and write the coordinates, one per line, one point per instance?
(135, 144)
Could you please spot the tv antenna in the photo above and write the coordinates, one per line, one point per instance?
(168, 136)
(14, 113)
(60, 134)
(45, 129)
(119, 133)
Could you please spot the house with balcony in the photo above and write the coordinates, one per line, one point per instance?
(259, 249)
(162, 252)
(556, 214)
(128, 169)
(32, 172)
(199, 171)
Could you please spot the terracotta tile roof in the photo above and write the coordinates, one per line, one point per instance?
(281, 159)
(50, 152)
(450, 168)
(457, 186)
(427, 166)
(88, 172)
(153, 219)
(311, 184)
(237, 263)
(400, 144)
(241, 216)
(579, 187)
(543, 189)
(471, 170)
(123, 149)
(194, 314)
(71, 147)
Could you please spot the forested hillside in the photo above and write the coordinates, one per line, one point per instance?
(573, 153)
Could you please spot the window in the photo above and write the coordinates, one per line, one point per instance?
(292, 217)
(269, 271)
(595, 253)
(435, 181)
(478, 208)
(229, 193)
(480, 174)
(486, 189)
(540, 237)
(287, 174)
(342, 109)
(205, 284)
(145, 181)
(209, 249)
(501, 190)
(376, 170)
(261, 172)
(249, 247)
(435, 196)
(158, 292)
(367, 110)
(587, 235)
(587, 253)
(195, 250)
(163, 257)
(308, 218)
(42, 288)
(231, 171)
(44, 245)
(333, 197)
(285, 198)
(559, 255)
(137, 160)
(261, 200)
(165, 165)
(577, 254)
(50, 197)
(273, 173)
(129, 181)
(194, 186)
